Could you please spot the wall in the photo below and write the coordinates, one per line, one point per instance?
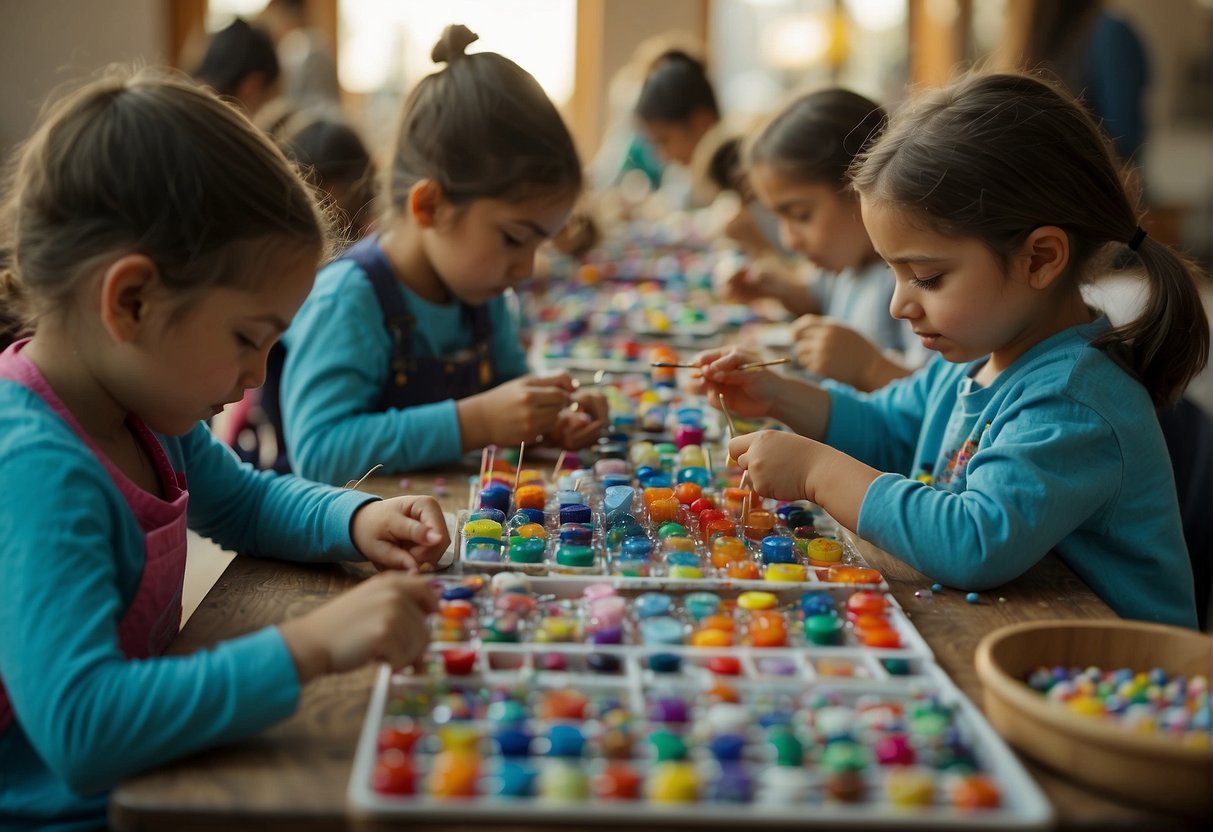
(46, 43)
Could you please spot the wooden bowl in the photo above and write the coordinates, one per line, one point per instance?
(1150, 769)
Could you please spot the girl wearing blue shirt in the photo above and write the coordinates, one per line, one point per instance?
(160, 245)
(1035, 427)
(797, 168)
(405, 353)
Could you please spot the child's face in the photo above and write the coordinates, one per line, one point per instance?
(188, 369)
(815, 221)
(487, 246)
(958, 297)
(675, 141)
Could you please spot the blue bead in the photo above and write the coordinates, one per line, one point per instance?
(816, 603)
(665, 663)
(726, 747)
(972, 598)
(493, 514)
(778, 549)
(566, 741)
(457, 593)
(637, 547)
(513, 742)
(516, 780)
(937, 587)
(682, 559)
(532, 515)
(650, 604)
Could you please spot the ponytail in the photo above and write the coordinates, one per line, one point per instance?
(1167, 345)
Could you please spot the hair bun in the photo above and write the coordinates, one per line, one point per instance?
(450, 47)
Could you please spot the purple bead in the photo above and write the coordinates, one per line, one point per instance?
(668, 709)
(495, 496)
(577, 513)
(776, 666)
(607, 635)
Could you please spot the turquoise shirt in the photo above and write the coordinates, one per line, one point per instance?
(337, 356)
(1061, 452)
(71, 557)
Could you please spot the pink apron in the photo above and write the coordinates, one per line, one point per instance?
(154, 615)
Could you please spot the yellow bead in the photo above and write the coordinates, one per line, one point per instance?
(673, 783)
(795, 572)
(825, 550)
(756, 600)
(482, 528)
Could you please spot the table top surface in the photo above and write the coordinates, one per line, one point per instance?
(295, 774)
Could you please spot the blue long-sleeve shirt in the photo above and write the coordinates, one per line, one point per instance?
(337, 358)
(71, 558)
(1062, 451)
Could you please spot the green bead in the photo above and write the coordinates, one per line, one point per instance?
(526, 549)
(667, 746)
(788, 749)
(823, 629)
(672, 529)
(577, 556)
(843, 756)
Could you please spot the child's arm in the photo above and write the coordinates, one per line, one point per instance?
(260, 513)
(771, 277)
(337, 358)
(829, 348)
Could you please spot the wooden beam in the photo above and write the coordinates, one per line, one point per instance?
(939, 40)
(587, 101)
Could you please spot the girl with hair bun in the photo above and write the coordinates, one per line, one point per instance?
(406, 353)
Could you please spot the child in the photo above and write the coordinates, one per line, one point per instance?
(405, 354)
(993, 200)
(798, 169)
(161, 245)
(240, 64)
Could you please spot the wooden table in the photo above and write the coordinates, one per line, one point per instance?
(294, 775)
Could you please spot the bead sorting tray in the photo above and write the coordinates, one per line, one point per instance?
(525, 744)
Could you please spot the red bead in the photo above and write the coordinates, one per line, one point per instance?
(458, 662)
(393, 773)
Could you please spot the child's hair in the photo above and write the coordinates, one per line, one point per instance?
(330, 154)
(676, 86)
(145, 162)
(994, 157)
(481, 127)
(816, 137)
(234, 53)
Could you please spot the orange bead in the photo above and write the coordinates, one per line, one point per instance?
(851, 575)
(886, 638)
(718, 622)
(531, 530)
(721, 693)
(457, 610)
(663, 510)
(651, 495)
(975, 791)
(717, 527)
(711, 638)
(530, 496)
(735, 500)
(866, 601)
(687, 493)
(743, 570)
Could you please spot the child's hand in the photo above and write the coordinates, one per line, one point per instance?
(831, 349)
(383, 618)
(517, 411)
(747, 393)
(401, 533)
(791, 467)
(581, 425)
(778, 462)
